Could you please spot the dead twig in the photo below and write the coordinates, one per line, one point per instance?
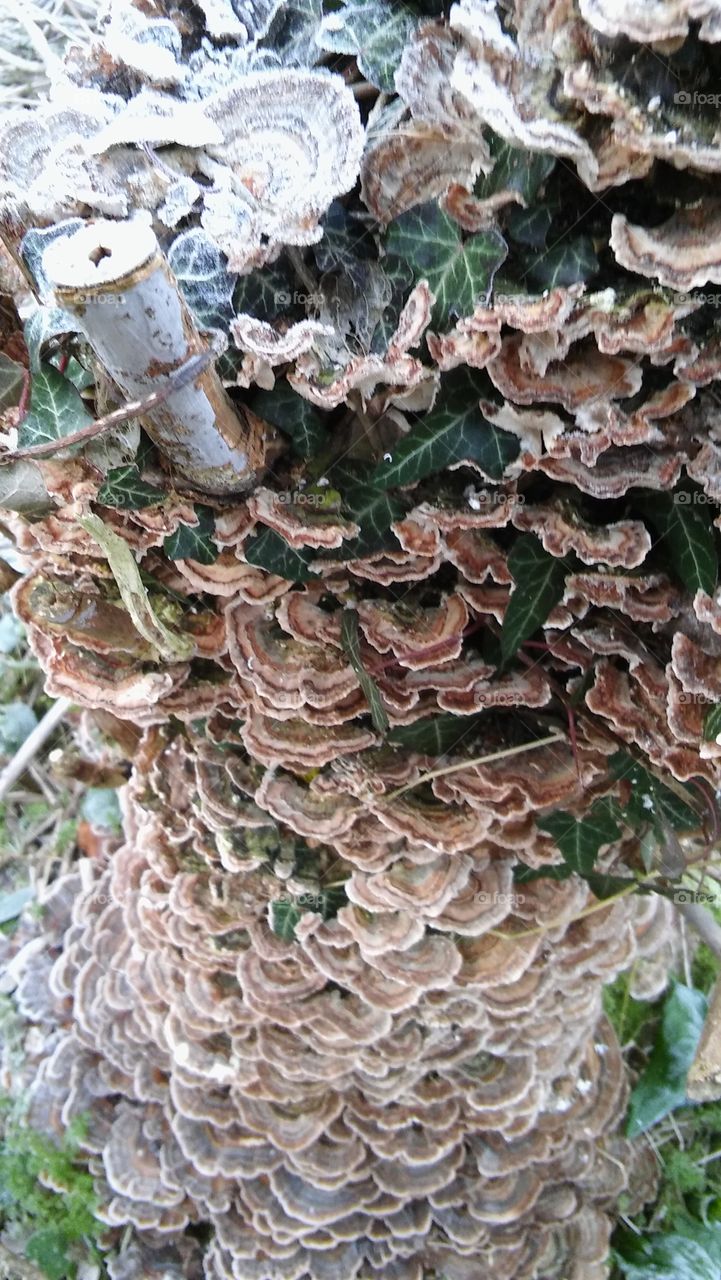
(32, 744)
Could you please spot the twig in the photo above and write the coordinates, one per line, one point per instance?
(703, 923)
(32, 744)
(178, 379)
(469, 764)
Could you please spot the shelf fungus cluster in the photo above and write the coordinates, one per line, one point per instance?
(410, 590)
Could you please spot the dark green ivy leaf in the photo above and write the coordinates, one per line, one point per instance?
(345, 244)
(125, 488)
(459, 272)
(293, 415)
(201, 271)
(56, 409)
(454, 431)
(564, 264)
(271, 552)
(662, 1087)
(43, 324)
(686, 528)
(350, 639)
(650, 800)
(712, 723)
(530, 226)
(580, 839)
(371, 508)
(539, 581)
(194, 542)
(515, 169)
(284, 916)
(375, 32)
(12, 379)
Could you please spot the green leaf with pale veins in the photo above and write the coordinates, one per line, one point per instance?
(580, 839)
(194, 542)
(685, 528)
(125, 488)
(375, 32)
(55, 411)
(459, 272)
(712, 723)
(570, 262)
(514, 169)
(43, 324)
(370, 507)
(350, 639)
(284, 916)
(12, 378)
(650, 800)
(271, 552)
(539, 582)
(297, 418)
(662, 1087)
(453, 432)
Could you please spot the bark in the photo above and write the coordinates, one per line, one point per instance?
(113, 278)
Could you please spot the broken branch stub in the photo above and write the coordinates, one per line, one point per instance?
(113, 278)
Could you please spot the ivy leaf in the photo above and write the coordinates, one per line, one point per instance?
(650, 799)
(56, 409)
(670, 1256)
(284, 916)
(460, 273)
(712, 724)
(267, 294)
(662, 1087)
(125, 488)
(514, 170)
(686, 528)
(350, 639)
(194, 542)
(580, 839)
(375, 32)
(297, 418)
(371, 508)
(201, 271)
(564, 264)
(292, 33)
(35, 242)
(271, 552)
(530, 226)
(453, 432)
(435, 736)
(345, 245)
(399, 276)
(539, 581)
(43, 324)
(12, 379)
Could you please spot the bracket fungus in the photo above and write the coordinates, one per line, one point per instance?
(405, 598)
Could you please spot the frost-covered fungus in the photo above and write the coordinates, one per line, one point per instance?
(291, 142)
(656, 22)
